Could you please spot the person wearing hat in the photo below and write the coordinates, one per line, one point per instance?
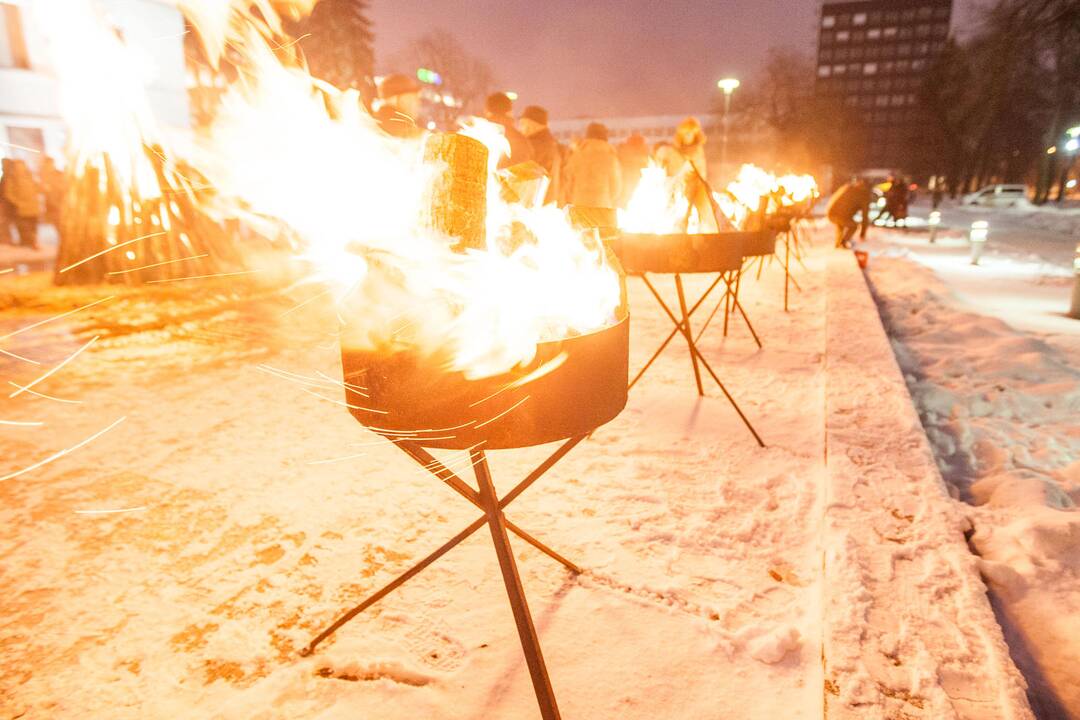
(593, 177)
(499, 109)
(689, 141)
(400, 107)
(545, 148)
(634, 157)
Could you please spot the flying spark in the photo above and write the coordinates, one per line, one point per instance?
(55, 317)
(111, 248)
(200, 277)
(157, 264)
(62, 453)
(69, 358)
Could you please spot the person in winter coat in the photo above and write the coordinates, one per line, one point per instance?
(690, 142)
(400, 107)
(896, 200)
(633, 158)
(7, 209)
(847, 202)
(499, 109)
(593, 177)
(545, 148)
(22, 191)
(52, 183)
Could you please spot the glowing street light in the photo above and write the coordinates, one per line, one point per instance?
(1072, 145)
(979, 233)
(728, 85)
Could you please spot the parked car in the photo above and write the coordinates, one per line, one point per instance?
(997, 196)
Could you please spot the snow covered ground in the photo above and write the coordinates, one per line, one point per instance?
(173, 566)
(239, 531)
(994, 369)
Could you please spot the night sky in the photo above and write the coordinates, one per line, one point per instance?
(605, 57)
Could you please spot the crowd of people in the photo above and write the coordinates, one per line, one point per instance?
(27, 200)
(590, 172)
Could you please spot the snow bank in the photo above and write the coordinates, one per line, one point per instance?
(908, 629)
(1001, 409)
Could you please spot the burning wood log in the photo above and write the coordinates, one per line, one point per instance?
(459, 197)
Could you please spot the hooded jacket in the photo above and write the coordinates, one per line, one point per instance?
(593, 177)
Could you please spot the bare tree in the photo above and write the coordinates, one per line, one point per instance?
(465, 76)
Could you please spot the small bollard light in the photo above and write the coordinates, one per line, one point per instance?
(935, 220)
(1074, 311)
(980, 231)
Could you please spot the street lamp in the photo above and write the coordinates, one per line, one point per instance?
(728, 85)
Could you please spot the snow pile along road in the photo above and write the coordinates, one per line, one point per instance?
(1002, 410)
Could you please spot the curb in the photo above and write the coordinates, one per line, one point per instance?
(908, 630)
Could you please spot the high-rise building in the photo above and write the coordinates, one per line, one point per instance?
(872, 57)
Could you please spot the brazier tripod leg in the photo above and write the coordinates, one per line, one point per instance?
(687, 334)
(678, 325)
(395, 584)
(530, 641)
(429, 462)
(452, 479)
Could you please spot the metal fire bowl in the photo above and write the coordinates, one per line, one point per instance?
(683, 253)
(572, 387)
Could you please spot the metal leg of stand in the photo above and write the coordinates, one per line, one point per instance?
(530, 641)
(701, 358)
(425, 459)
(678, 324)
(688, 335)
(787, 268)
(727, 304)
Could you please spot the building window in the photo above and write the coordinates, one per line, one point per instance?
(842, 36)
(869, 69)
(858, 36)
(873, 34)
(824, 71)
(903, 66)
(925, 12)
(828, 21)
(889, 32)
(858, 19)
(892, 16)
(922, 31)
(888, 67)
(941, 29)
(839, 69)
(12, 39)
(903, 49)
(905, 32)
(854, 68)
(856, 53)
(941, 13)
(882, 101)
(922, 49)
(842, 54)
(898, 100)
(827, 36)
(826, 56)
(843, 20)
(873, 52)
(908, 15)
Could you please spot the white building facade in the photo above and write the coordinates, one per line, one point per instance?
(30, 122)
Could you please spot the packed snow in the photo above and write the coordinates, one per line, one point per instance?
(992, 365)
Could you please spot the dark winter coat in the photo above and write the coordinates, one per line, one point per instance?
(547, 152)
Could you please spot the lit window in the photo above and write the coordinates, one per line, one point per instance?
(839, 69)
(828, 21)
(869, 69)
(889, 32)
(842, 36)
(12, 40)
(824, 71)
(873, 34)
(925, 12)
(859, 19)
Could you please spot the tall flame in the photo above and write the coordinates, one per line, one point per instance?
(290, 149)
